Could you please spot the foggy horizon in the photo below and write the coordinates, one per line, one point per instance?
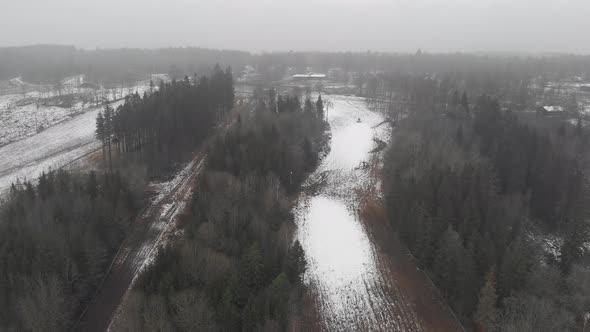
(294, 165)
(486, 26)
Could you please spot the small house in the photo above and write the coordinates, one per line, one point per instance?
(309, 77)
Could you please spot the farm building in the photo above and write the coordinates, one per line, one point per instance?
(88, 85)
(309, 77)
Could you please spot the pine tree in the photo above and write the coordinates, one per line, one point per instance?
(279, 297)
(466, 281)
(296, 263)
(422, 247)
(445, 262)
(108, 132)
(250, 315)
(455, 100)
(308, 108)
(229, 88)
(459, 134)
(252, 268)
(319, 105)
(465, 102)
(101, 135)
(92, 185)
(485, 315)
(572, 248)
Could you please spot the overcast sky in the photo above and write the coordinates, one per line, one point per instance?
(327, 25)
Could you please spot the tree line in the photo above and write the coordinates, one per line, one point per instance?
(236, 267)
(57, 239)
(481, 65)
(162, 127)
(468, 195)
(59, 236)
(52, 63)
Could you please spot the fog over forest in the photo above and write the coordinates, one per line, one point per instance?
(294, 165)
(553, 26)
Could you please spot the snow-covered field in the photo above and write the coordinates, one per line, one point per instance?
(51, 148)
(20, 117)
(68, 132)
(344, 272)
(574, 88)
(25, 114)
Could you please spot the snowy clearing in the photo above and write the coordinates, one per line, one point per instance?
(25, 114)
(352, 289)
(52, 148)
(68, 133)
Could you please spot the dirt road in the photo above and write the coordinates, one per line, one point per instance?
(143, 238)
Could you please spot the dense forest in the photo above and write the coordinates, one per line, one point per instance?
(114, 67)
(423, 62)
(471, 190)
(57, 239)
(479, 195)
(162, 127)
(236, 268)
(51, 63)
(60, 235)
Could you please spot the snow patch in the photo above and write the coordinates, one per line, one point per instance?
(343, 267)
(68, 133)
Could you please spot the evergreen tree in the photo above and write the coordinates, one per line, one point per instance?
(459, 134)
(446, 262)
(279, 298)
(296, 263)
(465, 102)
(572, 248)
(308, 108)
(250, 315)
(252, 268)
(319, 105)
(100, 134)
(455, 99)
(108, 132)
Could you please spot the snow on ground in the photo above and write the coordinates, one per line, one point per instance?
(68, 133)
(168, 210)
(551, 245)
(165, 207)
(25, 114)
(350, 145)
(343, 268)
(574, 88)
(52, 148)
(20, 116)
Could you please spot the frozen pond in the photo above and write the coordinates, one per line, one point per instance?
(344, 272)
